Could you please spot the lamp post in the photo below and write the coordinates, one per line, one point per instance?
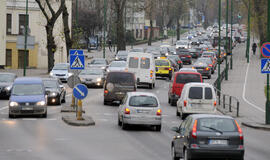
(267, 106)
(248, 36)
(231, 34)
(219, 22)
(105, 27)
(227, 45)
(25, 38)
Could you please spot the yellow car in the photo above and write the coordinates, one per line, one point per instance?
(164, 68)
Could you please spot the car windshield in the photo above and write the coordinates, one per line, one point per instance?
(27, 89)
(122, 53)
(98, 61)
(91, 72)
(195, 93)
(136, 50)
(162, 63)
(204, 60)
(208, 54)
(6, 78)
(118, 64)
(50, 84)
(143, 101)
(186, 78)
(216, 123)
(121, 78)
(60, 67)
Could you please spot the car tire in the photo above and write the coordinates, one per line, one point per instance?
(177, 113)
(11, 116)
(105, 103)
(44, 115)
(173, 103)
(151, 85)
(158, 128)
(209, 77)
(213, 71)
(119, 122)
(124, 125)
(154, 85)
(186, 157)
(183, 116)
(173, 154)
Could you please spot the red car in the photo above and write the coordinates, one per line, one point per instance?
(178, 81)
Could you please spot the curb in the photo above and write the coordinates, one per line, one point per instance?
(72, 120)
(255, 125)
(69, 109)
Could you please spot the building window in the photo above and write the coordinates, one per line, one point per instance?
(8, 57)
(9, 23)
(21, 58)
(22, 23)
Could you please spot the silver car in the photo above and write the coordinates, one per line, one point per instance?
(61, 71)
(140, 108)
(117, 66)
(92, 77)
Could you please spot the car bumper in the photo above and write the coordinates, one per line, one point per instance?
(204, 72)
(185, 60)
(99, 84)
(28, 110)
(114, 96)
(187, 111)
(62, 78)
(142, 120)
(216, 153)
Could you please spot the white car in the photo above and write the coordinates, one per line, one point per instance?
(117, 66)
(196, 98)
(61, 71)
(140, 108)
(182, 44)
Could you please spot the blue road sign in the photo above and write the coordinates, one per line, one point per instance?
(76, 62)
(265, 50)
(80, 91)
(265, 65)
(75, 52)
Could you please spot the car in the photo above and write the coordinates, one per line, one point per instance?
(179, 80)
(136, 50)
(204, 67)
(212, 56)
(6, 81)
(194, 53)
(117, 84)
(164, 50)
(184, 55)
(27, 97)
(61, 71)
(117, 66)
(140, 108)
(196, 98)
(55, 91)
(188, 70)
(177, 59)
(121, 55)
(172, 50)
(154, 51)
(208, 136)
(92, 77)
(98, 63)
(182, 44)
(164, 68)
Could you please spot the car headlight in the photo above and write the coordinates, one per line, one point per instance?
(116, 58)
(70, 74)
(13, 104)
(8, 88)
(51, 74)
(41, 103)
(103, 67)
(108, 70)
(53, 94)
(98, 79)
(167, 54)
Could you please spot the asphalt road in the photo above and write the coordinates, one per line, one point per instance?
(51, 139)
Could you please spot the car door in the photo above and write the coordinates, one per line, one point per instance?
(178, 138)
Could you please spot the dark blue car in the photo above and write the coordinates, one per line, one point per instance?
(27, 97)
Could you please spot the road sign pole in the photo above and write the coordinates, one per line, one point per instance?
(227, 44)
(79, 113)
(105, 27)
(267, 107)
(219, 23)
(248, 36)
(231, 34)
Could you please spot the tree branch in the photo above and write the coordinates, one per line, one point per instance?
(50, 7)
(60, 10)
(42, 9)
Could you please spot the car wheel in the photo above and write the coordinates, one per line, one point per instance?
(183, 116)
(44, 115)
(177, 113)
(173, 103)
(124, 125)
(173, 154)
(154, 85)
(213, 71)
(158, 128)
(209, 77)
(151, 86)
(105, 102)
(186, 155)
(119, 122)
(11, 116)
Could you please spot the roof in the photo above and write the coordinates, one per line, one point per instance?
(28, 80)
(210, 116)
(141, 93)
(197, 84)
(187, 72)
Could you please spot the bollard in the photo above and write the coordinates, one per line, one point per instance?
(237, 111)
(224, 101)
(72, 101)
(79, 114)
(230, 104)
(219, 98)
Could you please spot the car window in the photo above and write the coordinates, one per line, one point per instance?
(50, 84)
(98, 61)
(195, 93)
(145, 63)
(121, 78)
(162, 63)
(222, 124)
(208, 93)
(27, 89)
(143, 101)
(187, 78)
(133, 62)
(61, 67)
(118, 64)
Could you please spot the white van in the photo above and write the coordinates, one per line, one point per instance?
(196, 98)
(143, 66)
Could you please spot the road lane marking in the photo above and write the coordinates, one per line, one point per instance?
(3, 108)
(244, 93)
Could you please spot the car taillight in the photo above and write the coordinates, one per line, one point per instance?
(194, 129)
(215, 103)
(189, 56)
(210, 65)
(207, 68)
(179, 62)
(185, 103)
(239, 130)
(170, 69)
(127, 111)
(106, 91)
(159, 112)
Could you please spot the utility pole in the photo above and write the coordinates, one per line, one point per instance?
(248, 36)
(105, 27)
(227, 44)
(231, 34)
(267, 106)
(219, 27)
(25, 38)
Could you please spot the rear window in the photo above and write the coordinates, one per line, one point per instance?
(162, 63)
(195, 93)
(120, 78)
(221, 124)
(145, 63)
(143, 101)
(133, 62)
(208, 93)
(186, 78)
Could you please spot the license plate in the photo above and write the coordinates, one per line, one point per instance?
(27, 108)
(142, 111)
(218, 142)
(121, 93)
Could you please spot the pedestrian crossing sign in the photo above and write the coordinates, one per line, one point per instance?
(265, 65)
(76, 62)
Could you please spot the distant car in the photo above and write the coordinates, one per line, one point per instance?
(177, 59)
(154, 51)
(55, 91)
(117, 66)
(92, 77)
(61, 71)
(208, 136)
(6, 81)
(27, 97)
(202, 65)
(136, 50)
(140, 108)
(98, 63)
(164, 50)
(164, 68)
(194, 53)
(182, 44)
(196, 98)
(188, 70)
(172, 50)
(121, 56)
(185, 56)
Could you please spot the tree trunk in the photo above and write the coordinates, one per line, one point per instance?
(120, 31)
(151, 33)
(51, 47)
(66, 30)
(178, 28)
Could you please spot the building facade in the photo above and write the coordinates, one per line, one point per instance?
(37, 57)
(2, 33)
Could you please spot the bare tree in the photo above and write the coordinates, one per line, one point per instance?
(66, 29)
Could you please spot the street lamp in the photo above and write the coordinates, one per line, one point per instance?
(219, 22)
(105, 26)
(231, 34)
(248, 37)
(227, 47)
(267, 106)
(25, 38)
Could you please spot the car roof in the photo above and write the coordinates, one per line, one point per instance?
(141, 93)
(28, 80)
(8, 73)
(197, 116)
(198, 84)
(187, 72)
(49, 79)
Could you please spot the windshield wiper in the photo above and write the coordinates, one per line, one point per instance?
(214, 129)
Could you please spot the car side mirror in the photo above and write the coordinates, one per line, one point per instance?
(61, 86)
(175, 129)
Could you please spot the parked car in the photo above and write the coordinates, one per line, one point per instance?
(121, 55)
(98, 63)
(6, 81)
(117, 84)
(196, 98)
(55, 91)
(140, 108)
(178, 82)
(27, 97)
(209, 137)
(92, 77)
(117, 66)
(164, 68)
(143, 66)
(61, 71)
(203, 66)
